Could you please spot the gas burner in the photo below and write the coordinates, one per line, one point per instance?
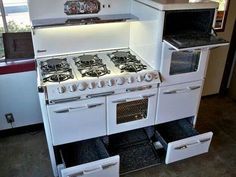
(58, 77)
(91, 66)
(55, 65)
(132, 67)
(95, 71)
(87, 61)
(125, 61)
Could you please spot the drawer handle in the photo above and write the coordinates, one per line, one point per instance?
(108, 165)
(66, 110)
(194, 87)
(174, 91)
(192, 144)
(90, 171)
(94, 170)
(133, 99)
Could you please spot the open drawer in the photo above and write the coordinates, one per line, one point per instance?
(88, 159)
(181, 140)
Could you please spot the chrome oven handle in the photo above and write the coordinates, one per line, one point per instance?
(133, 99)
(71, 109)
(100, 94)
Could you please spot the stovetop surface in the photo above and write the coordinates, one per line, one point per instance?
(82, 66)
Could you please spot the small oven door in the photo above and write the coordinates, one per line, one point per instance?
(183, 66)
(131, 110)
(78, 120)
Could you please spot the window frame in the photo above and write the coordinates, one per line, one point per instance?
(223, 20)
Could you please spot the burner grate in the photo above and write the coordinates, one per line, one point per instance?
(56, 70)
(125, 61)
(91, 66)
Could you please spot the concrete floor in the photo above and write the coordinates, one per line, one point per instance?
(26, 155)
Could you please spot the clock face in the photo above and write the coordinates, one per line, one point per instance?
(92, 6)
(74, 7)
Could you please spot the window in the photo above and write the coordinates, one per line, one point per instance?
(15, 14)
(221, 15)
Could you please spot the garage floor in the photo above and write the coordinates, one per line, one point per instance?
(26, 155)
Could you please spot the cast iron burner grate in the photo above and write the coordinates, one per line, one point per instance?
(55, 65)
(125, 61)
(56, 70)
(58, 77)
(91, 66)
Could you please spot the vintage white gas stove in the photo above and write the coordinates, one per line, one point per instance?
(106, 109)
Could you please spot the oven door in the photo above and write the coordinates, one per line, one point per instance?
(131, 110)
(78, 120)
(183, 66)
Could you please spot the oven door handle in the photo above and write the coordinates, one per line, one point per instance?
(79, 108)
(133, 99)
(188, 89)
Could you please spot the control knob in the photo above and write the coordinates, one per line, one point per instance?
(130, 80)
(72, 88)
(148, 77)
(91, 85)
(61, 89)
(82, 86)
(120, 81)
(100, 84)
(110, 82)
(139, 78)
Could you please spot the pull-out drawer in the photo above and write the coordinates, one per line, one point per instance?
(178, 101)
(181, 140)
(88, 159)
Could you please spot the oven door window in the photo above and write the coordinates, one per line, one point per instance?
(184, 62)
(132, 111)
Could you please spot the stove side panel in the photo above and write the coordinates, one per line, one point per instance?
(146, 34)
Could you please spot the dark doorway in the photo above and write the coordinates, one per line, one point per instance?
(229, 63)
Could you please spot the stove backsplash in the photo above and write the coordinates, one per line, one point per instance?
(141, 36)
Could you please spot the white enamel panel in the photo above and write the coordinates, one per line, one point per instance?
(146, 34)
(79, 120)
(112, 102)
(178, 101)
(188, 147)
(168, 79)
(76, 39)
(45, 9)
(108, 167)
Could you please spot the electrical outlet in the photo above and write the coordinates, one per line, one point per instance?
(9, 118)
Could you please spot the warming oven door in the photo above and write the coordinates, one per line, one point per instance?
(131, 110)
(183, 66)
(78, 120)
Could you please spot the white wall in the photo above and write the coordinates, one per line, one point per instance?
(18, 95)
(218, 56)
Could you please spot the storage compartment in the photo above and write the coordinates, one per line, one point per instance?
(135, 149)
(87, 158)
(78, 120)
(190, 29)
(181, 140)
(178, 101)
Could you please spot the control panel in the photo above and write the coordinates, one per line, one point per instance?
(94, 86)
